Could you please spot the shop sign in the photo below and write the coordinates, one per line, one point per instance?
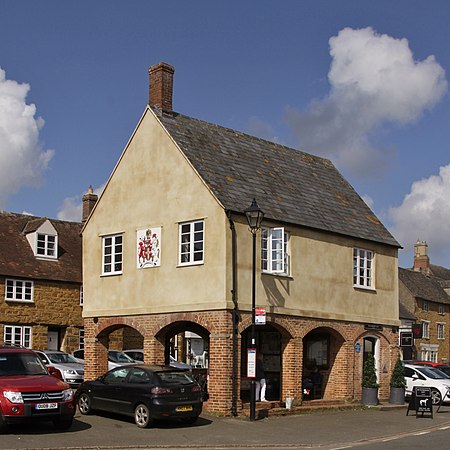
(260, 316)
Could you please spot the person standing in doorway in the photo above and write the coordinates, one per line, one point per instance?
(260, 380)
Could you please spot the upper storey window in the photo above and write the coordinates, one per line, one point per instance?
(46, 245)
(363, 268)
(192, 242)
(274, 250)
(112, 254)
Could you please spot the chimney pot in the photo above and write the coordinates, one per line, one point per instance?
(161, 86)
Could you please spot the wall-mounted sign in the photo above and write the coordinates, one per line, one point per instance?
(406, 339)
(373, 327)
(251, 363)
(148, 247)
(260, 316)
(416, 329)
(357, 347)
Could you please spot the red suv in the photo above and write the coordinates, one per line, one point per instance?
(29, 392)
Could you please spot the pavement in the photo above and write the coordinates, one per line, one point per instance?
(332, 428)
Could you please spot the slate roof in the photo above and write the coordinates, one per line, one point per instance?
(422, 286)
(404, 313)
(442, 274)
(290, 186)
(17, 258)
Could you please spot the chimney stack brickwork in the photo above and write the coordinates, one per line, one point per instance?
(421, 258)
(89, 201)
(161, 86)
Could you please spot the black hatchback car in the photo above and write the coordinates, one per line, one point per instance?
(144, 392)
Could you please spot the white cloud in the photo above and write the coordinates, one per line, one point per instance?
(374, 79)
(72, 207)
(22, 159)
(425, 215)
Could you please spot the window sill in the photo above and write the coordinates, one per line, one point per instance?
(200, 263)
(278, 275)
(364, 288)
(12, 300)
(111, 274)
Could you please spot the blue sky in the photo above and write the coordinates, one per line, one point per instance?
(363, 83)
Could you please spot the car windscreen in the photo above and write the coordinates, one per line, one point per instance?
(429, 372)
(178, 376)
(61, 358)
(119, 357)
(12, 364)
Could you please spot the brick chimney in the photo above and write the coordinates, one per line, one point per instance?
(160, 78)
(421, 259)
(89, 201)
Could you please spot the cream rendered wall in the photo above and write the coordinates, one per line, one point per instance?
(153, 185)
(320, 284)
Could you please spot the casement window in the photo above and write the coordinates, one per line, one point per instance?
(18, 335)
(425, 306)
(441, 309)
(81, 338)
(112, 254)
(46, 245)
(440, 330)
(363, 268)
(274, 251)
(425, 329)
(81, 295)
(192, 242)
(19, 290)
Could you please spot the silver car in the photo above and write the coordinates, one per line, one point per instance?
(71, 369)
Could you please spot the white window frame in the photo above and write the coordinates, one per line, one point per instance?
(440, 328)
(425, 329)
(18, 335)
(441, 310)
(49, 249)
(275, 251)
(112, 254)
(425, 306)
(81, 295)
(363, 268)
(191, 238)
(17, 290)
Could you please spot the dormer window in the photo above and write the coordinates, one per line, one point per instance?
(46, 245)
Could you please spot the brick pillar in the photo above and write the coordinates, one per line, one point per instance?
(292, 366)
(153, 351)
(337, 383)
(220, 373)
(95, 357)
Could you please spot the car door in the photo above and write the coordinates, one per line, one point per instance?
(413, 378)
(109, 393)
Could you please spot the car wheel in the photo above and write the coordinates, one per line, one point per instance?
(84, 403)
(63, 424)
(142, 416)
(436, 397)
(190, 420)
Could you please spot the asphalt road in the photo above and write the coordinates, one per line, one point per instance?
(372, 429)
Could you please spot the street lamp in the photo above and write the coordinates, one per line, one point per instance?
(254, 216)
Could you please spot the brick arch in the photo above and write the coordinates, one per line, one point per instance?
(171, 319)
(336, 327)
(280, 323)
(106, 326)
(377, 334)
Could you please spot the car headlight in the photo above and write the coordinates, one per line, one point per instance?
(13, 397)
(70, 372)
(67, 395)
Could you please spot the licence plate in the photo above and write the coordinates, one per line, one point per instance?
(183, 408)
(47, 406)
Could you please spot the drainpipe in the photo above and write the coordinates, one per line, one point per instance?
(235, 317)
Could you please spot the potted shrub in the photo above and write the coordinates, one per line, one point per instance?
(398, 384)
(369, 382)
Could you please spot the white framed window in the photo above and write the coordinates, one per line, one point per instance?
(274, 250)
(81, 295)
(425, 306)
(192, 242)
(441, 309)
(363, 268)
(19, 290)
(81, 338)
(440, 330)
(425, 329)
(46, 245)
(18, 335)
(112, 254)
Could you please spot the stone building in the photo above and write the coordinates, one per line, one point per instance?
(167, 250)
(424, 293)
(40, 281)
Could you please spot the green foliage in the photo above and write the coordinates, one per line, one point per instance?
(398, 375)
(369, 379)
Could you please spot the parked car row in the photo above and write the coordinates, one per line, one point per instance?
(421, 373)
(29, 391)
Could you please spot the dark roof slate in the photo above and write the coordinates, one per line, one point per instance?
(422, 286)
(404, 313)
(17, 258)
(290, 186)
